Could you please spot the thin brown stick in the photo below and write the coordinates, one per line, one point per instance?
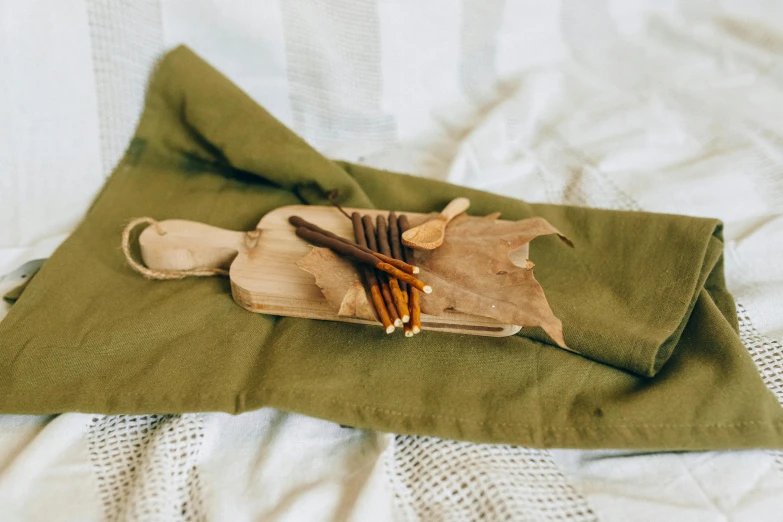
(349, 250)
(415, 311)
(332, 197)
(341, 248)
(369, 233)
(396, 248)
(407, 328)
(358, 230)
(413, 300)
(368, 274)
(397, 263)
(394, 286)
(372, 244)
(399, 274)
(369, 230)
(389, 300)
(399, 301)
(380, 307)
(382, 230)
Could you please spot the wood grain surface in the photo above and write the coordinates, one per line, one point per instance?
(262, 263)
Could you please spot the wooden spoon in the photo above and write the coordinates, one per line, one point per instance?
(429, 235)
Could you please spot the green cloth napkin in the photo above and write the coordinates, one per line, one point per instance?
(642, 293)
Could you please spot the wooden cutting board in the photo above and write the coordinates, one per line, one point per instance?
(261, 263)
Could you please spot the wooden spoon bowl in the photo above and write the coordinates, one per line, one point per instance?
(429, 235)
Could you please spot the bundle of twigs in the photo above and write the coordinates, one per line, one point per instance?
(384, 264)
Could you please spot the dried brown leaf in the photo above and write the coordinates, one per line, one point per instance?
(472, 272)
(340, 283)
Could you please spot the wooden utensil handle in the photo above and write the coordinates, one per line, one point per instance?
(177, 244)
(456, 207)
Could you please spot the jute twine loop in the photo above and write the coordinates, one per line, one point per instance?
(150, 273)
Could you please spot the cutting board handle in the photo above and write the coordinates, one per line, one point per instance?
(177, 244)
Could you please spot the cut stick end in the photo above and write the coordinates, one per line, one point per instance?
(416, 329)
(406, 318)
(390, 329)
(427, 289)
(408, 333)
(416, 270)
(397, 323)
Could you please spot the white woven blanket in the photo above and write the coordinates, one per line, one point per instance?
(664, 106)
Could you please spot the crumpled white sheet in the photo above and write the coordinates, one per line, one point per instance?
(670, 107)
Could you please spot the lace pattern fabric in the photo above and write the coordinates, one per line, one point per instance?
(127, 38)
(436, 479)
(147, 466)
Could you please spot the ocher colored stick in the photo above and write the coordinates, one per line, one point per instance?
(415, 311)
(383, 247)
(372, 244)
(389, 300)
(368, 274)
(413, 300)
(396, 248)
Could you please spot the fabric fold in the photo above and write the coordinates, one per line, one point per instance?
(642, 297)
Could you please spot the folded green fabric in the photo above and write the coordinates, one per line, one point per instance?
(642, 293)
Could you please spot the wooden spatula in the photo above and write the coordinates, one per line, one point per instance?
(262, 265)
(429, 235)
